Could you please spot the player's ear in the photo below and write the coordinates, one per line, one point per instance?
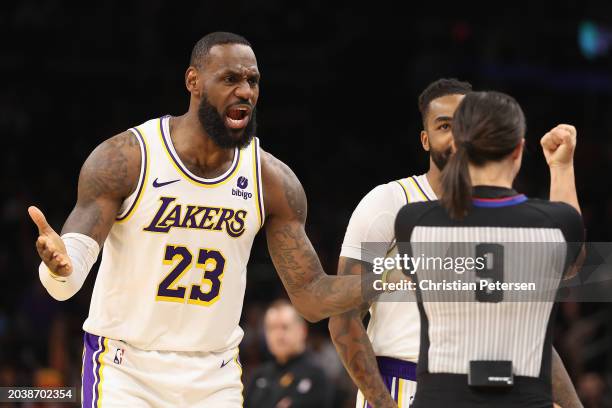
(517, 157)
(425, 140)
(191, 80)
(518, 150)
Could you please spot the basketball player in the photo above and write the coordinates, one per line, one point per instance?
(176, 203)
(382, 361)
(490, 347)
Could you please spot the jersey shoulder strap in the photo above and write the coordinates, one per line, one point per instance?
(413, 190)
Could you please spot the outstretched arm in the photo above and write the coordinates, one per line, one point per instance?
(315, 294)
(109, 175)
(354, 347)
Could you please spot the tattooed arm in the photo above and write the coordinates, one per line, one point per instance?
(354, 347)
(314, 294)
(372, 221)
(108, 176)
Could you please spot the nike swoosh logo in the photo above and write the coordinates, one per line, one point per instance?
(165, 183)
(224, 363)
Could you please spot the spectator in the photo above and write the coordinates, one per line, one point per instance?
(291, 380)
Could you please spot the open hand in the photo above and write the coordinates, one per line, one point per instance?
(50, 246)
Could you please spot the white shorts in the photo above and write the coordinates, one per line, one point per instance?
(400, 378)
(116, 374)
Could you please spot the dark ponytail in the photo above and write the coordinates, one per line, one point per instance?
(456, 184)
(487, 126)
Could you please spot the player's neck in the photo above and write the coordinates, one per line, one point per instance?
(196, 148)
(492, 174)
(433, 178)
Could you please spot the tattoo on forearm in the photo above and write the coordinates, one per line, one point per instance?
(87, 219)
(294, 257)
(354, 347)
(355, 350)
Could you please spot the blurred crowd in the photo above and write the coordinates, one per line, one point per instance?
(338, 105)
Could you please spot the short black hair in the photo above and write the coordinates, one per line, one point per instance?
(203, 46)
(441, 87)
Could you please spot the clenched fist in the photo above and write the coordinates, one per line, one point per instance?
(559, 145)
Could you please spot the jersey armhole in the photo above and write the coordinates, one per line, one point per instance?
(258, 190)
(405, 190)
(130, 204)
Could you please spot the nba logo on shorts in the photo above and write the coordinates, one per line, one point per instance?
(119, 356)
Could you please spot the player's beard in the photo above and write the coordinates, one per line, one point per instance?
(214, 125)
(440, 157)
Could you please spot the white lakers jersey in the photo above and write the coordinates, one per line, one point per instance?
(394, 326)
(173, 269)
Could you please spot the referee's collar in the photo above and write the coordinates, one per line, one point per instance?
(495, 197)
(493, 192)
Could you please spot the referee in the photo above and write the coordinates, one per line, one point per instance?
(481, 345)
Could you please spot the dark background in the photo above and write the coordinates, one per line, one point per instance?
(338, 104)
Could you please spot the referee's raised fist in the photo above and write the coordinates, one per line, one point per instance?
(559, 145)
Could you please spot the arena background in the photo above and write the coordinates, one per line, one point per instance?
(338, 104)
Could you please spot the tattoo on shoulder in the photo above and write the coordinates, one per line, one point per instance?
(112, 168)
(292, 188)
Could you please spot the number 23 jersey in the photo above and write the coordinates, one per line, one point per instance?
(173, 270)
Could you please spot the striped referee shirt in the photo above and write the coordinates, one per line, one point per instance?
(500, 306)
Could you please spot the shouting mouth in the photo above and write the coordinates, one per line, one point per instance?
(237, 117)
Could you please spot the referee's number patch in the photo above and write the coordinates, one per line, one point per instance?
(493, 271)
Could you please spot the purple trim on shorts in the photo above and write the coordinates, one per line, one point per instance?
(91, 345)
(94, 346)
(396, 395)
(392, 367)
(98, 366)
